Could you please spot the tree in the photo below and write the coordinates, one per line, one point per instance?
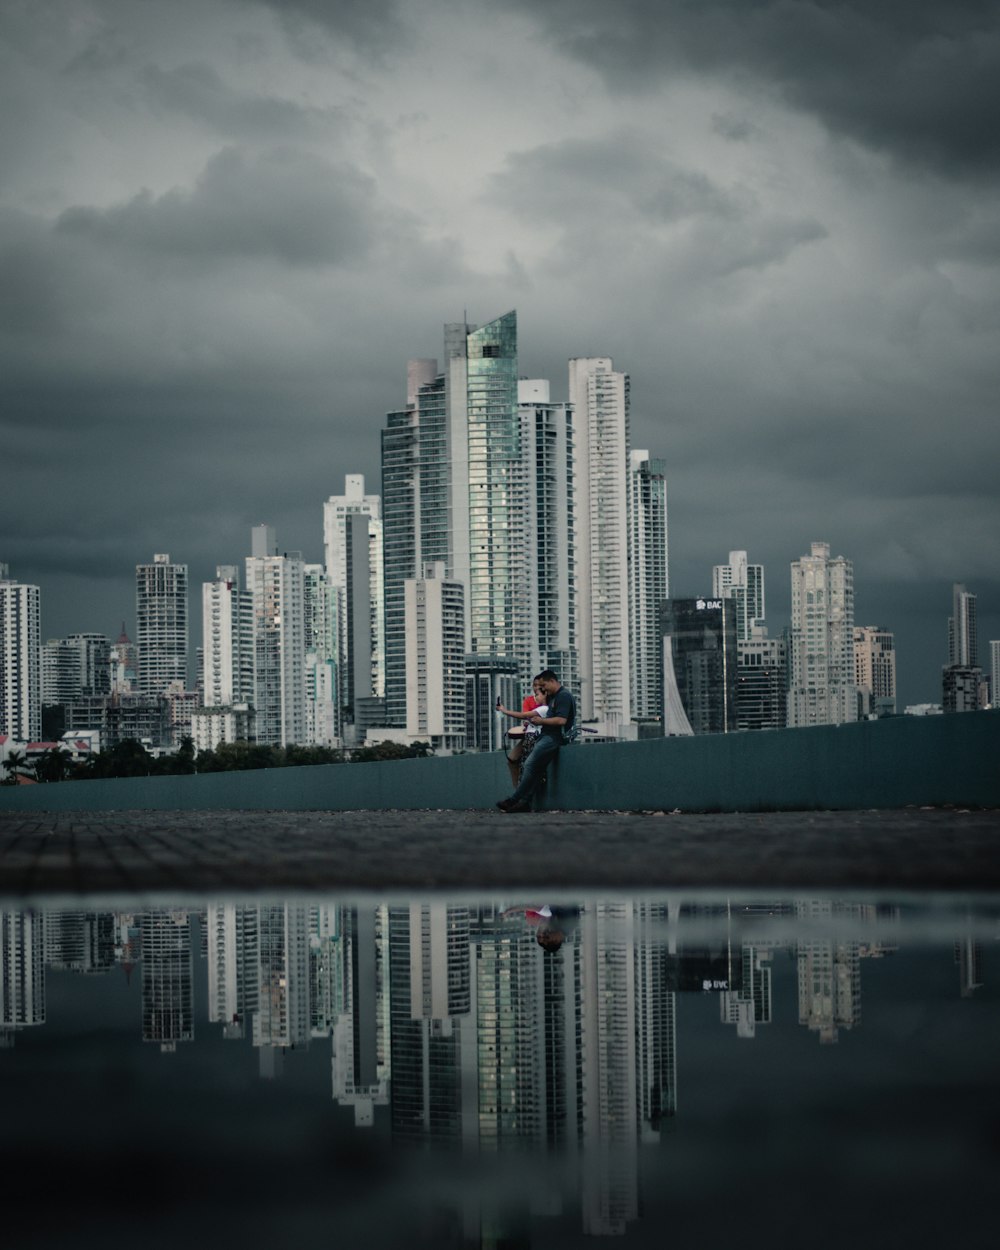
(15, 763)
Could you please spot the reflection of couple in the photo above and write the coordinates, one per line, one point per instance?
(552, 923)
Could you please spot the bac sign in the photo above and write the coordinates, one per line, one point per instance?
(702, 604)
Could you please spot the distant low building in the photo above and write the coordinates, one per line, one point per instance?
(700, 662)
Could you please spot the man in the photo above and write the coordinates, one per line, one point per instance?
(555, 729)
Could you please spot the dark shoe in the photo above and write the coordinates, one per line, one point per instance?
(508, 805)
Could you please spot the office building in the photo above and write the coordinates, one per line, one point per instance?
(161, 608)
(353, 545)
(60, 664)
(699, 666)
(20, 659)
(743, 583)
(548, 596)
(454, 492)
(962, 678)
(875, 671)
(599, 396)
(167, 979)
(488, 679)
(276, 586)
(225, 713)
(435, 659)
(761, 682)
(995, 673)
(322, 632)
(648, 580)
(821, 644)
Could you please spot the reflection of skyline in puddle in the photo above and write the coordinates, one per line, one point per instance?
(451, 1029)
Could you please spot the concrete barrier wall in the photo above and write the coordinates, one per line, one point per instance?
(892, 763)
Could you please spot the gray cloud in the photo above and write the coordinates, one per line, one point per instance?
(197, 90)
(370, 26)
(284, 204)
(613, 191)
(913, 77)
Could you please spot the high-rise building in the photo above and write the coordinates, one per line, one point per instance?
(453, 489)
(22, 970)
(60, 672)
(995, 672)
(821, 647)
(353, 544)
(161, 606)
(875, 671)
(963, 645)
(744, 584)
(167, 979)
(549, 598)
(761, 683)
(322, 631)
(20, 659)
(227, 663)
(699, 666)
(435, 658)
(599, 396)
(488, 679)
(124, 663)
(962, 678)
(648, 580)
(276, 585)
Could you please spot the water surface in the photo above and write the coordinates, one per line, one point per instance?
(688, 1068)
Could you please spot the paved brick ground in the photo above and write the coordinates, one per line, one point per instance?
(201, 852)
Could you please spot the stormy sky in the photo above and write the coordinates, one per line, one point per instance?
(226, 224)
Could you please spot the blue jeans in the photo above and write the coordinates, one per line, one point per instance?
(542, 754)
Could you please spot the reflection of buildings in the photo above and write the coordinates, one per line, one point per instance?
(167, 979)
(281, 1021)
(77, 941)
(829, 975)
(360, 1056)
(969, 961)
(231, 936)
(750, 1005)
(22, 972)
(429, 1002)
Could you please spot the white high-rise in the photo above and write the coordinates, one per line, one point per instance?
(275, 583)
(352, 537)
(322, 602)
(20, 659)
(227, 662)
(821, 659)
(744, 584)
(548, 600)
(963, 643)
(435, 658)
(599, 396)
(648, 579)
(161, 609)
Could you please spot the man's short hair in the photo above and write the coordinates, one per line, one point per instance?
(547, 675)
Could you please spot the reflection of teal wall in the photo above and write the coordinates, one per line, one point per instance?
(898, 762)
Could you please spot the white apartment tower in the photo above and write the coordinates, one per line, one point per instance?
(744, 584)
(275, 583)
(20, 659)
(435, 658)
(161, 608)
(352, 538)
(821, 659)
(549, 599)
(648, 579)
(600, 400)
(322, 631)
(227, 662)
(963, 645)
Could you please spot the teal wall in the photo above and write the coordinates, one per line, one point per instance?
(903, 761)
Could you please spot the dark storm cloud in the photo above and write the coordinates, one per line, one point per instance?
(612, 191)
(285, 204)
(917, 78)
(197, 90)
(370, 26)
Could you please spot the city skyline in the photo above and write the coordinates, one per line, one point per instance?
(224, 230)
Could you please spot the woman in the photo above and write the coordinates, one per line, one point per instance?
(532, 703)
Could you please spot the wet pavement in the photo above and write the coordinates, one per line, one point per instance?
(192, 852)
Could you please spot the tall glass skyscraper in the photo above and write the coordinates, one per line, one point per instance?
(453, 492)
